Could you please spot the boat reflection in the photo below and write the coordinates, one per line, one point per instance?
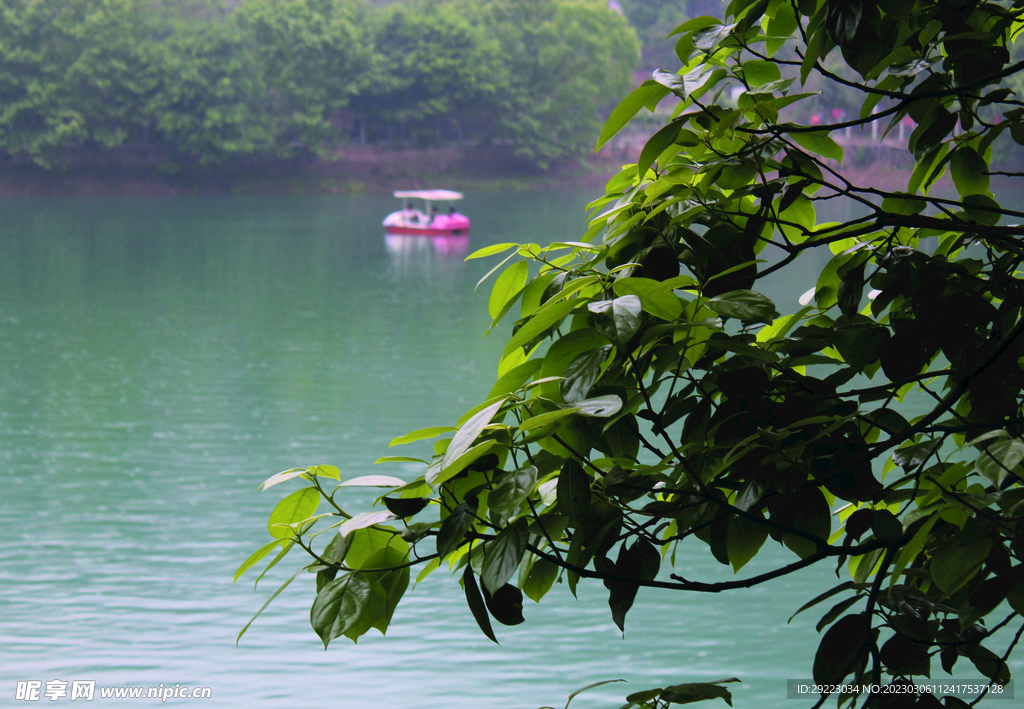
(406, 245)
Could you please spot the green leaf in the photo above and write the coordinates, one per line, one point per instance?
(840, 649)
(581, 690)
(453, 529)
(744, 305)
(599, 406)
(491, 250)
(903, 203)
(548, 417)
(389, 585)
(836, 611)
(799, 219)
(618, 319)
(512, 491)
(642, 699)
(697, 23)
(467, 434)
(282, 477)
(639, 562)
(255, 558)
(910, 68)
(494, 269)
(573, 492)
(846, 585)
(911, 550)
(818, 143)
(286, 546)
(969, 171)
(957, 563)
(334, 552)
(655, 298)
(420, 435)
(982, 209)
(338, 606)
(623, 113)
(689, 83)
(863, 565)
(708, 38)
(437, 474)
(405, 507)
(927, 169)
(514, 379)
(807, 511)
(503, 554)
(695, 692)
(655, 146)
(274, 595)
(1017, 132)
(544, 319)
(476, 604)
(758, 72)
(366, 519)
(296, 507)
(398, 459)
(534, 292)
(505, 604)
(914, 454)
(365, 545)
(506, 287)
(815, 45)
(999, 458)
(541, 578)
(989, 664)
(581, 374)
(904, 656)
(374, 481)
(745, 538)
(324, 471)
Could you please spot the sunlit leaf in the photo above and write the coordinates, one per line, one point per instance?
(296, 507)
(421, 434)
(467, 434)
(366, 519)
(256, 557)
(374, 481)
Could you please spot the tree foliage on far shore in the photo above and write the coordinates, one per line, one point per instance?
(200, 83)
(651, 401)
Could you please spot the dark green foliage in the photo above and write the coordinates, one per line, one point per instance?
(71, 73)
(209, 104)
(431, 70)
(561, 61)
(197, 83)
(661, 403)
(312, 59)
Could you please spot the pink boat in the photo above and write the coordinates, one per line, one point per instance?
(428, 222)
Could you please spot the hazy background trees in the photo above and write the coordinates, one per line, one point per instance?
(204, 81)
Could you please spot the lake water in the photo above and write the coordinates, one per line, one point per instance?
(159, 359)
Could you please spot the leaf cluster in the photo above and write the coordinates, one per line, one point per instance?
(651, 400)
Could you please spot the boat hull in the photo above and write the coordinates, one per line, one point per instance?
(425, 231)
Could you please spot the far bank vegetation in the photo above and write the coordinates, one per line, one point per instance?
(195, 83)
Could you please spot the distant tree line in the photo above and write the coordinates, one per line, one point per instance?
(206, 83)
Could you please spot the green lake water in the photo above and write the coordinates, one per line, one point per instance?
(160, 358)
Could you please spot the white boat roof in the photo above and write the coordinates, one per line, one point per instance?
(428, 194)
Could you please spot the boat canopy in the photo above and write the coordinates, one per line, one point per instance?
(433, 195)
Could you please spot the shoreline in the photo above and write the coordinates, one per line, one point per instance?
(351, 170)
